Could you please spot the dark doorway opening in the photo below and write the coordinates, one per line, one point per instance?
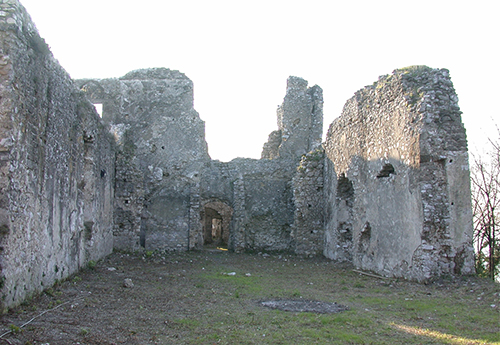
(216, 217)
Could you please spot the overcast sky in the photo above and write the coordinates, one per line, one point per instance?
(240, 53)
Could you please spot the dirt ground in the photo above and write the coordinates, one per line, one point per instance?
(175, 298)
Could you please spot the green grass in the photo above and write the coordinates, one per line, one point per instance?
(409, 313)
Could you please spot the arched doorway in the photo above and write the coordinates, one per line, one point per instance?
(216, 220)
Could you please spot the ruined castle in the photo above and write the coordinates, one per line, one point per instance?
(388, 190)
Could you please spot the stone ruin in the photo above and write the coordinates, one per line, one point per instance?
(388, 190)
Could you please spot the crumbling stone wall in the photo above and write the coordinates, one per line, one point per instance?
(161, 151)
(56, 166)
(165, 178)
(402, 194)
(300, 122)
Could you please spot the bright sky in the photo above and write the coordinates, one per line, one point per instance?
(239, 53)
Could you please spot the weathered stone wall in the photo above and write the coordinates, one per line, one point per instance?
(263, 204)
(257, 196)
(308, 196)
(402, 194)
(390, 191)
(56, 166)
(169, 192)
(161, 151)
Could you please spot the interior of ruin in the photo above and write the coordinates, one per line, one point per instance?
(388, 190)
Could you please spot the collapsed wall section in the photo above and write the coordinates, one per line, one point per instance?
(300, 122)
(400, 179)
(170, 195)
(56, 164)
(161, 151)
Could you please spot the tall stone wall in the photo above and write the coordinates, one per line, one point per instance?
(161, 151)
(56, 166)
(401, 179)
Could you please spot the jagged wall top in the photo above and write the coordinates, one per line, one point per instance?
(300, 122)
(154, 73)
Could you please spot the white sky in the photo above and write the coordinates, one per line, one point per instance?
(239, 53)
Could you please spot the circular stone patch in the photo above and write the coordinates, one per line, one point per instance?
(305, 306)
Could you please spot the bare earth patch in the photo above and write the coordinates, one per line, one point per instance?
(301, 306)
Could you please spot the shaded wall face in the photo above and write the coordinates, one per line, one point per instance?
(258, 194)
(57, 163)
(390, 144)
(308, 197)
(269, 210)
(266, 201)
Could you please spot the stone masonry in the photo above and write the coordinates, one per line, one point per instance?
(160, 150)
(388, 190)
(169, 192)
(56, 166)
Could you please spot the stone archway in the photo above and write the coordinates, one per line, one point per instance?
(216, 219)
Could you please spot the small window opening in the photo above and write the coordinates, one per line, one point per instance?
(386, 171)
(142, 238)
(345, 189)
(98, 108)
(364, 238)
